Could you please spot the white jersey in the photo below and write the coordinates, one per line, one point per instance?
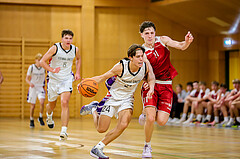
(37, 75)
(126, 84)
(64, 60)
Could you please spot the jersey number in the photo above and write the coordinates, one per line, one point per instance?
(106, 109)
(65, 64)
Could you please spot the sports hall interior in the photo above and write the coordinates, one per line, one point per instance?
(103, 31)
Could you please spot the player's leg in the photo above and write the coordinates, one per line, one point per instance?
(32, 96)
(65, 97)
(231, 121)
(32, 107)
(49, 111)
(40, 119)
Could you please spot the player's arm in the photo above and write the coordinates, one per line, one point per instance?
(46, 57)
(151, 81)
(78, 64)
(229, 96)
(183, 45)
(116, 70)
(29, 77)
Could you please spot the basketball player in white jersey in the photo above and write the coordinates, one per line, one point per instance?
(120, 103)
(60, 57)
(36, 80)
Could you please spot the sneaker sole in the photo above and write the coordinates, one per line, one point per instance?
(95, 156)
(32, 127)
(51, 126)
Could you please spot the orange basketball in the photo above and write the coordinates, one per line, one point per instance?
(88, 87)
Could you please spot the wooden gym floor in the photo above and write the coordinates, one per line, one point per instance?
(18, 141)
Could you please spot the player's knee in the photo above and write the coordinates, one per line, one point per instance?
(161, 122)
(64, 103)
(101, 130)
(123, 125)
(150, 119)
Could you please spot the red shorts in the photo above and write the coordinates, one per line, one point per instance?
(161, 99)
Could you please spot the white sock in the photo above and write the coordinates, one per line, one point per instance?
(208, 117)
(238, 119)
(100, 145)
(216, 119)
(184, 116)
(93, 109)
(40, 115)
(191, 116)
(231, 120)
(31, 118)
(64, 129)
(225, 118)
(199, 117)
(148, 143)
(49, 115)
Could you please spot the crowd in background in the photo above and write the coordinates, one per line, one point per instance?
(199, 105)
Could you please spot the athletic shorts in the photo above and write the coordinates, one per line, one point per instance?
(35, 92)
(55, 88)
(162, 97)
(113, 107)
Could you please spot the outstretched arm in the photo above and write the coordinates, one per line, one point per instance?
(176, 44)
(116, 70)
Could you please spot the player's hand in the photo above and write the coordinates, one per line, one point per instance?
(77, 77)
(31, 85)
(189, 37)
(150, 94)
(145, 85)
(56, 70)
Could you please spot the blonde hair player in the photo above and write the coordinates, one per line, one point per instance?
(36, 80)
(61, 57)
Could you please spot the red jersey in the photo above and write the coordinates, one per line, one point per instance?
(159, 57)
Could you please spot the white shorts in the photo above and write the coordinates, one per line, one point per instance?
(35, 92)
(55, 88)
(113, 107)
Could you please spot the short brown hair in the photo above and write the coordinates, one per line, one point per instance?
(67, 32)
(146, 24)
(133, 48)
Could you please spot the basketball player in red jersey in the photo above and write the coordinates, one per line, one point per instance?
(158, 108)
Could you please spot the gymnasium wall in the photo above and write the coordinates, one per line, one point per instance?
(103, 33)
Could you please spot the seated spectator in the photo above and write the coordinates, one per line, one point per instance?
(229, 99)
(178, 106)
(199, 103)
(174, 108)
(217, 106)
(188, 102)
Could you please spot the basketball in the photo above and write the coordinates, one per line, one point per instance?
(88, 87)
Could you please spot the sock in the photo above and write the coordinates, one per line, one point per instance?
(231, 120)
(100, 145)
(31, 118)
(238, 119)
(208, 117)
(64, 129)
(226, 118)
(40, 115)
(191, 116)
(184, 116)
(93, 109)
(148, 143)
(49, 115)
(199, 117)
(216, 119)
